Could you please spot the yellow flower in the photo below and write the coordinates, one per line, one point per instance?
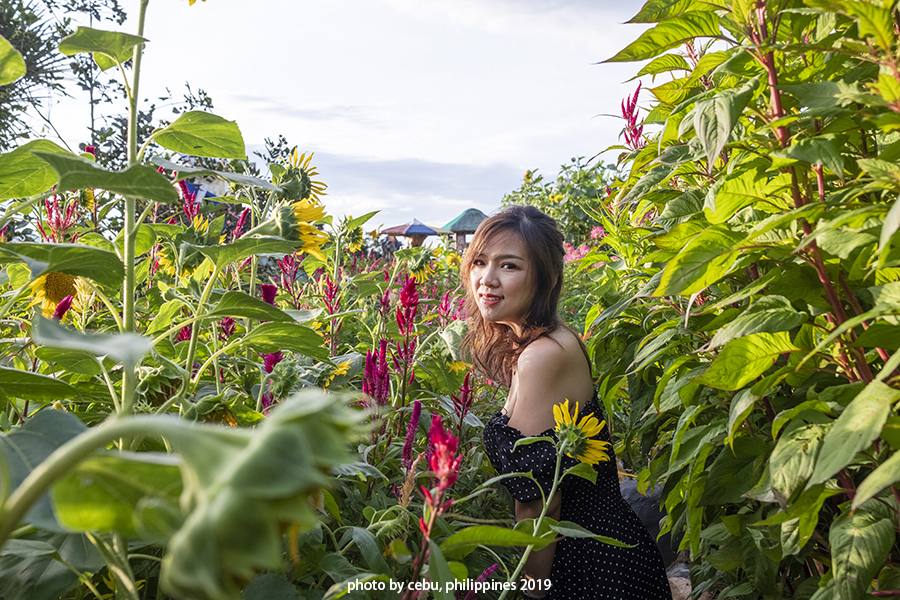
(556, 198)
(574, 438)
(341, 369)
(50, 289)
(292, 222)
(301, 163)
(452, 260)
(458, 366)
(191, 2)
(421, 266)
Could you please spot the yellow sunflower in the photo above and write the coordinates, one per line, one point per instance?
(301, 163)
(50, 289)
(341, 369)
(293, 222)
(574, 438)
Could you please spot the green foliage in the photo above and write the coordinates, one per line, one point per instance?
(751, 374)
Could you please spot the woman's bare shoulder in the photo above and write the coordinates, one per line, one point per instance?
(558, 352)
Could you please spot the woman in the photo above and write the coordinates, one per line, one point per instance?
(513, 275)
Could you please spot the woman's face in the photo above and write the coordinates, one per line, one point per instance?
(501, 281)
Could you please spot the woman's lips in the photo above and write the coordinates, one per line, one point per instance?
(489, 299)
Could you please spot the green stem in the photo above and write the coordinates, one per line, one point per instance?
(537, 523)
(105, 300)
(195, 331)
(12, 300)
(129, 375)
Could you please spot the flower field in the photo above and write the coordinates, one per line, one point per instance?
(241, 397)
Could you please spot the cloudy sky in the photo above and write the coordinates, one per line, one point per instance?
(419, 108)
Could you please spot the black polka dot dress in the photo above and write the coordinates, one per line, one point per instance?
(583, 568)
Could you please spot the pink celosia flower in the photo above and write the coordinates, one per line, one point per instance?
(481, 579)
(376, 376)
(633, 130)
(598, 233)
(270, 360)
(268, 292)
(463, 402)
(411, 428)
(62, 308)
(239, 226)
(573, 254)
(57, 220)
(228, 326)
(409, 305)
(444, 461)
(185, 334)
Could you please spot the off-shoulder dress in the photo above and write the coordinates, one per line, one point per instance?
(583, 568)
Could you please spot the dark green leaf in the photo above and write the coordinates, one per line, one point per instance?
(184, 172)
(125, 348)
(242, 304)
(569, 529)
(271, 586)
(12, 65)
(734, 471)
(22, 174)
(858, 426)
(225, 254)
(860, 543)
(76, 361)
(440, 573)
(885, 475)
(465, 540)
(15, 383)
(27, 447)
(46, 577)
(202, 134)
(139, 181)
(275, 337)
(370, 550)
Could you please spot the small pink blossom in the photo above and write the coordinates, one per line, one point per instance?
(62, 308)
(598, 233)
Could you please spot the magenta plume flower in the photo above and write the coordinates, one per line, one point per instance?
(485, 575)
(268, 292)
(270, 360)
(376, 377)
(228, 327)
(633, 130)
(463, 402)
(62, 308)
(185, 334)
(411, 429)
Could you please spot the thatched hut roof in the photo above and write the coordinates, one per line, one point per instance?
(467, 222)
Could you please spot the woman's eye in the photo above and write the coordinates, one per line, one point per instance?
(478, 262)
(509, 266)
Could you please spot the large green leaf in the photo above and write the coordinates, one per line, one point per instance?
(858, 426)
(125, 348)
(15, 383)
(241, 304)
(819, 150)
(874, 21)
(139, 181)
(669, 34)
(22, 174)
(860, 543)
(440, 573)
(272, 586)
(465, 540)
(101, 266)
(274, 337)
(705, 260)
(185, 171)
(225, 254)
(772, 315)
(135, 494)
(12, 65)
(202, 134)
(734, 471)
(793, 459)
(664, 64)
(27, 447)
(108, 47)
(742, 188)
(655, 11)
(744, 359)
(715, 117)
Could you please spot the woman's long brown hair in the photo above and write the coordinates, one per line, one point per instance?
(494, 348)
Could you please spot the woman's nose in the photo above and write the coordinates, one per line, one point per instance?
(489, 276)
